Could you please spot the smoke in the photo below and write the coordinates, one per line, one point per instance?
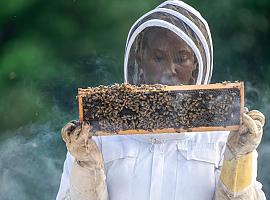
(258, 98)
(31, 160)
(32, 157)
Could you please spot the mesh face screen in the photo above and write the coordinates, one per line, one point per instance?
(130, 109)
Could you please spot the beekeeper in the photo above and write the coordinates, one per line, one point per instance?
(169, 45)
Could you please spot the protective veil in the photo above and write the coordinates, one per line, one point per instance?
(183, 21)
(166, 166)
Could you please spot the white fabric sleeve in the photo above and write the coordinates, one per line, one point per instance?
(64, 189)
(257, 185)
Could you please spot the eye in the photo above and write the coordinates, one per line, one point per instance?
(158, 58)
(181, 58)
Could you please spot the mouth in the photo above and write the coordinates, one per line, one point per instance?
(170, 81)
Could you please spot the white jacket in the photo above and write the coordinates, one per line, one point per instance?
(160, 167)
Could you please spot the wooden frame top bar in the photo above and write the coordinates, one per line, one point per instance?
(223, 85)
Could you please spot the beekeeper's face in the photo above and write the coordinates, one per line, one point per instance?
(166, 59)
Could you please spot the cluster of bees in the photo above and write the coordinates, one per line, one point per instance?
(147, 107)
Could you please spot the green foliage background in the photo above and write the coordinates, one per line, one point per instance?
(50, 48)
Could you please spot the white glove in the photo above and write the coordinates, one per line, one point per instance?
(87, 179)
(248, 137)
(79, 143)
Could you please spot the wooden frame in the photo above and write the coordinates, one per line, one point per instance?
(226, 85)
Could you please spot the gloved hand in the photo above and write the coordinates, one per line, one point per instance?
(237, 178)
(87, 177)
(78, 141)
(248, 137)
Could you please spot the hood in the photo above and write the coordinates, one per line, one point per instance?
(184, 21)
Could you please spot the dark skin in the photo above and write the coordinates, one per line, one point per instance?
(166, 59)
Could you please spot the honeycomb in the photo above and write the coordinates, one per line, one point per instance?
(134, 109)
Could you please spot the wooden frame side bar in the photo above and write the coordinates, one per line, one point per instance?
(80, 104)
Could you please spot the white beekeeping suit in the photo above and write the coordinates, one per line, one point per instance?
(188, 166)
